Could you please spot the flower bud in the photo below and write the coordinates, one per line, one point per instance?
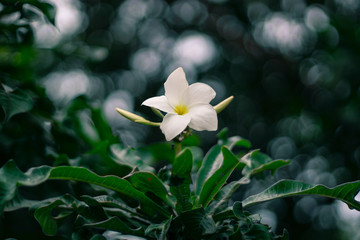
(136, 118)
(221, 106)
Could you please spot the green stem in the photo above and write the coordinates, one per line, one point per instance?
(177, 148)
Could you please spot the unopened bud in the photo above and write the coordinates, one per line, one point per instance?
(136, 118)
(221, 106)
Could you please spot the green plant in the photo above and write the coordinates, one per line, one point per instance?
(164, 204)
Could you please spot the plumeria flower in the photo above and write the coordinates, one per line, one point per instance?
(185, 106)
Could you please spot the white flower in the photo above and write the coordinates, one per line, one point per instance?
(185, 106)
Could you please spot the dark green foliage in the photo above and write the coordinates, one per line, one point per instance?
(148, 219)
(141, 204)
(310, 98)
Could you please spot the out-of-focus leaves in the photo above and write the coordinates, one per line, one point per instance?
(233, 141)
(99, 127)
(46, 8)
(15, 102)
(285, 188)
(161, 151)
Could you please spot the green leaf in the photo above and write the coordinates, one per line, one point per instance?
(180, 180)
(11, 177)
(148, 181)
(115, 224)
(15, 102)
(153, 229)
(109, 164)
(345, 192)
(183, 164)
(256, 162)
(234, 211)
(197, 223)
(129, 157)
(211, 163)
(110, 202)
(221, 199)
(214, 159)
(213, 185)
(46, 221)
(43, 212)
(93, 211)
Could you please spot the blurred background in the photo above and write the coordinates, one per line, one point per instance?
(292, 66)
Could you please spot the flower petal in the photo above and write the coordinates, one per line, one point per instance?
(203, 117)
(199, 93)
(160, 103)
(173, 124)
(175, 86)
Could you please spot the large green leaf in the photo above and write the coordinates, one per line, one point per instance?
(110, 182)
(213, 185)
(11, 177)
(345, 192)
(212, 161)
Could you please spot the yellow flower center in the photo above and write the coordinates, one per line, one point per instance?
(181, 109)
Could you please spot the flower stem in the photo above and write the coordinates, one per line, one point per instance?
(177, 147)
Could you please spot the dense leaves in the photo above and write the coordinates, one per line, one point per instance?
(191, 216)
(149, 217)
